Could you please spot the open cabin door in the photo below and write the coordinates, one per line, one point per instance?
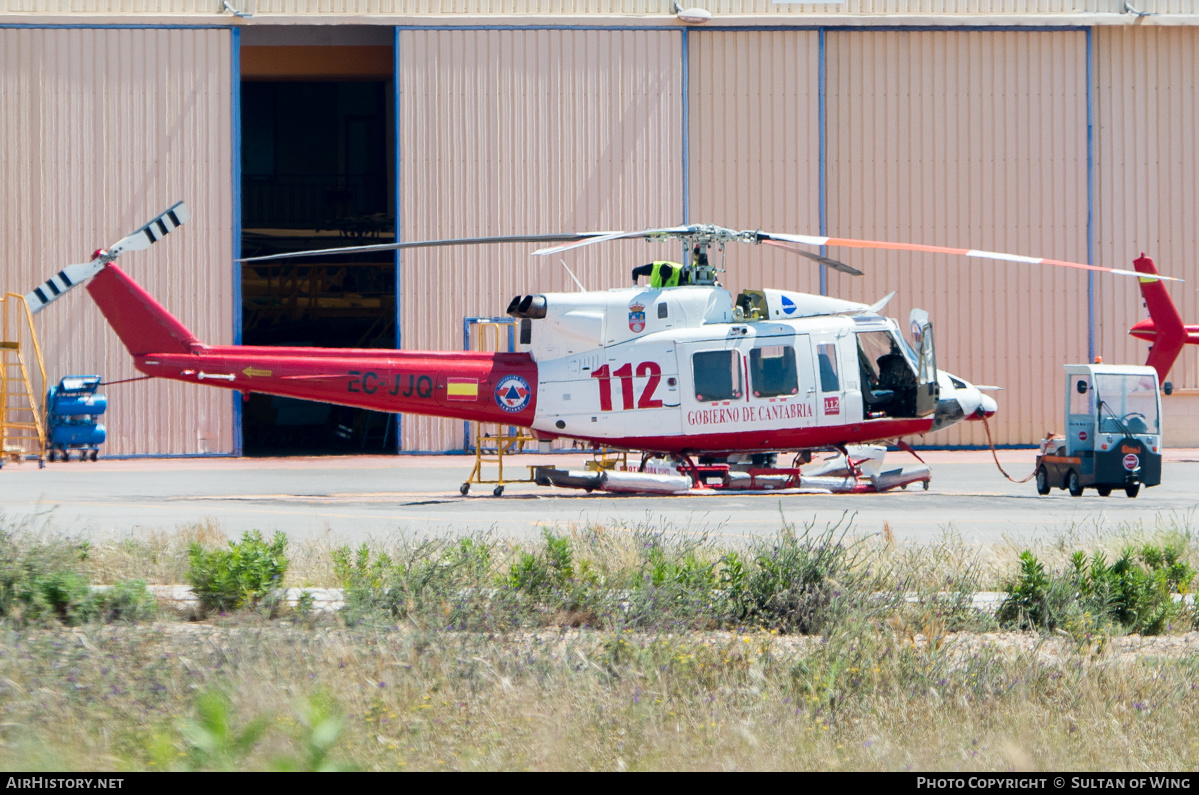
(928, 391)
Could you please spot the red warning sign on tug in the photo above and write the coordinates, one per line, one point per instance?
(1131, 462)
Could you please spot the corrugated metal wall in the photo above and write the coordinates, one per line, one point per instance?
(717, 7)
(1147, 181)
(975, 140)
(587, 7)
(958, 137)
(101, 131)
(528, 132)
(755, 147)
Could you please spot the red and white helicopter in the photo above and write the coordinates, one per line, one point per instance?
(709, 386)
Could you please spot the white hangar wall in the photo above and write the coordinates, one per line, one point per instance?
(1146, 89)
(589, 8)
(527, 132)
(973, 140)
(754, 132)
(99, 131)
(959, 137)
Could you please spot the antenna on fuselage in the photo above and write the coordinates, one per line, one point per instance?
(572, 275)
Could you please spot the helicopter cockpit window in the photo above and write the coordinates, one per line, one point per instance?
(772, 371)
(872, 346)
(826, 356)
(888, 378)
(717, 375)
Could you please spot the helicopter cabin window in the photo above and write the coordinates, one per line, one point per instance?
(772, 371)
(717, 375)
(826, 355)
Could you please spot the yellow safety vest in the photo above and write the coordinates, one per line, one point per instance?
(655, 279)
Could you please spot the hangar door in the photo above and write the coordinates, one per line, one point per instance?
(317, 172)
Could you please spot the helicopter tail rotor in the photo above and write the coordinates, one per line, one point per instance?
(73, 275)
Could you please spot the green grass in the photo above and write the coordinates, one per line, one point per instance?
(600, 648)
(241, 695)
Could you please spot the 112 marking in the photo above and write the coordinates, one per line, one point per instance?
(625, 374)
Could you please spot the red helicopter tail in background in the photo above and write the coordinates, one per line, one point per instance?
(1164, 327)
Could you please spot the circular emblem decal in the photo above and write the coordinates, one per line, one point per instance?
(788, 306)
(1131, 462)
(512, 393)
(1082, 435)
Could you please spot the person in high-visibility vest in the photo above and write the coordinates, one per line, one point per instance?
(660, 273)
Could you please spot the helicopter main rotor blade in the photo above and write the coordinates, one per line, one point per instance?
(456, 241)
(814, 240)
(603, 237)
(74, 275)
(836, 265)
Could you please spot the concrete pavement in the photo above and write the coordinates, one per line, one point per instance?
(356, 498)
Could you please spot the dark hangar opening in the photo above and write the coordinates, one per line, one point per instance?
(317, 116)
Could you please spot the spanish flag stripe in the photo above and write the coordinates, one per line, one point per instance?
(462, 388)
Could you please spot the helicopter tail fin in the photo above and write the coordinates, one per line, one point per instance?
(1164, 328)
(140, 321)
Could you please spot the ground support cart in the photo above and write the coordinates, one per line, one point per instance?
(1113, 433)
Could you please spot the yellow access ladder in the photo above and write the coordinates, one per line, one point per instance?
(22, 429)
(492, 440)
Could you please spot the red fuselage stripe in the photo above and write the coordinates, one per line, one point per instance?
(390, 381)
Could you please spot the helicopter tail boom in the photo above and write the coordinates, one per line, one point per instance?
(479, 386)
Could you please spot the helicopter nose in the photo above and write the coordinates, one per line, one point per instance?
(986, 407)
(961, 400)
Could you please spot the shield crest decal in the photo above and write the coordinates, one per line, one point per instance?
(637, 318)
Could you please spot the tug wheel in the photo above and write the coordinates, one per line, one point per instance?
(1132, 489)
(51, 455)
(497, 491)
(1104, 491)
(465, 487)
(93, 455)
(1043, 486)
(1073, 484)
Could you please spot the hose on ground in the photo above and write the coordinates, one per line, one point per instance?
(995, 455)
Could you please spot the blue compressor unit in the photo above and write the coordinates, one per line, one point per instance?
(72, 408)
